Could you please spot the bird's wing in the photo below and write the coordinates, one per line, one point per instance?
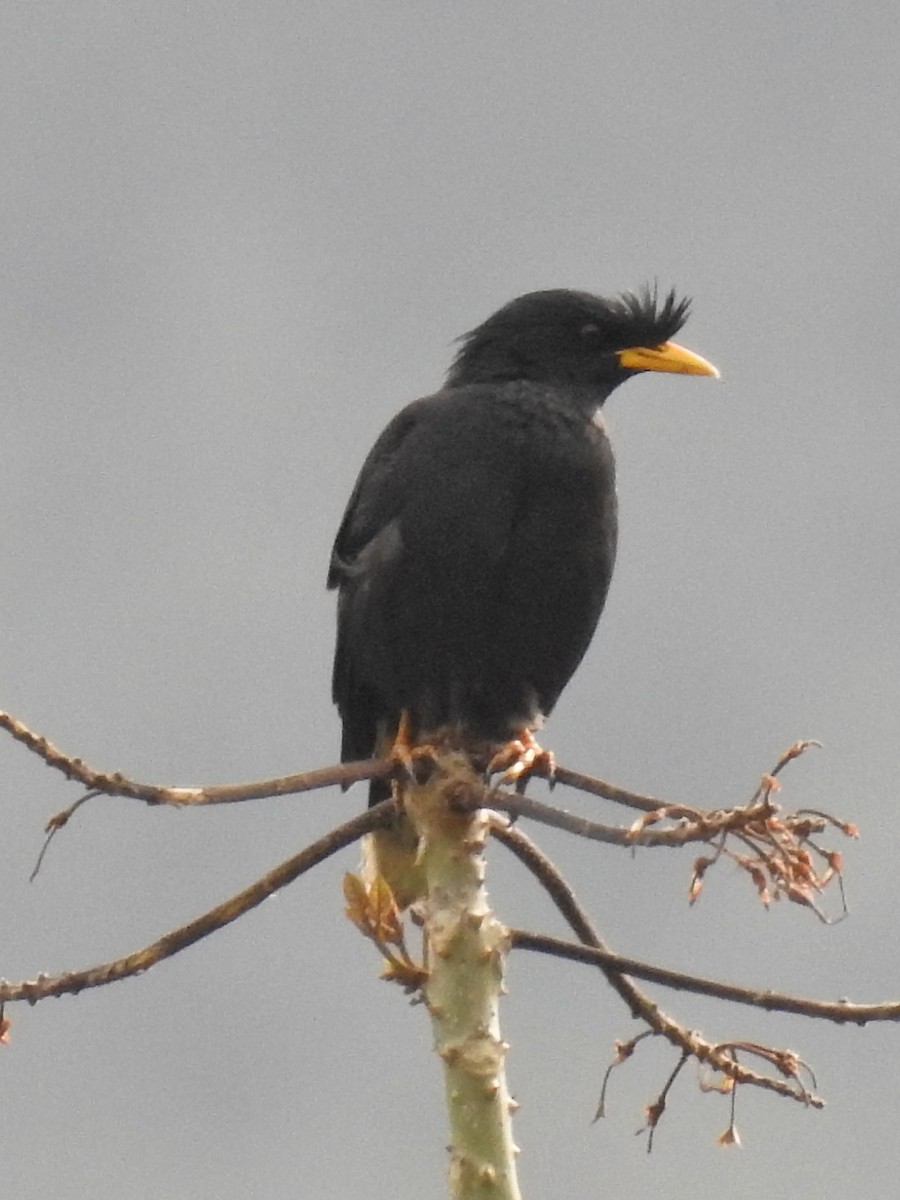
(376, 499)
(436, 493)
(368, 539)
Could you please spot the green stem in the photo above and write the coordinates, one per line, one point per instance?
(466, 947)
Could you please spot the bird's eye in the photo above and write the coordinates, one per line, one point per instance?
(590, 330)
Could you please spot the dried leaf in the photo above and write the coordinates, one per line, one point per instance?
(623, 1051)
(653, 1112)
(357, 903)
(384, 912)
(406, 973)
(701, 866)
(723, 1085)
(730, 1137)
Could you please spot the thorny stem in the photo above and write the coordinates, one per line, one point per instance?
(466, 948)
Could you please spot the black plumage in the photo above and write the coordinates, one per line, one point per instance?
(476, 552)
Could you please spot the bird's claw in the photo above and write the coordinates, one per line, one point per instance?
(401, 751)
(520, 757)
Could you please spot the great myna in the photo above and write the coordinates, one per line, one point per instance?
(473, 561)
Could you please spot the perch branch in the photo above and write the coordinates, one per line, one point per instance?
(115, 784)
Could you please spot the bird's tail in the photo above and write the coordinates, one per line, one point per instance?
(379, 789)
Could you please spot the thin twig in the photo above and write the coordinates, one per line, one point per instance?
(53, 826)
(655, 1111)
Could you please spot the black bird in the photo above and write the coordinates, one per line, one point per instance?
(477, 548)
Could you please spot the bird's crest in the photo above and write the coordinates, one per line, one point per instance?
(651, 320)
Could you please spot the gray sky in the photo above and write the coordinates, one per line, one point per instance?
(235, 239)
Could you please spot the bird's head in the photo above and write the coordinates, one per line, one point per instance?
(573, 339)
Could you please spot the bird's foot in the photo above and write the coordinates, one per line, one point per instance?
(520, 757)
(412, 759)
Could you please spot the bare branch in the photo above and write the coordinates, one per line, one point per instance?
(115, 784)
(702, 827)
(593, 786)
(840, 1011)
(775, 850)
(779, 855)
(686, 1040)
(73, 982)
(693, 824)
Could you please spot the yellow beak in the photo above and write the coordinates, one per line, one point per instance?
(667, 357)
